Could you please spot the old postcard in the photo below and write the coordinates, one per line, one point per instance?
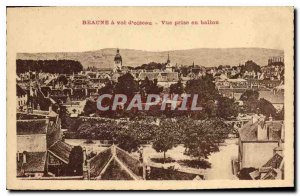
(118, 98)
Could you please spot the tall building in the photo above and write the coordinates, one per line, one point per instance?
(118, 62)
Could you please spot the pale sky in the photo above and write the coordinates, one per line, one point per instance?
(61, 30)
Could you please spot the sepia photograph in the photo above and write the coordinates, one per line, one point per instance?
(174, 98)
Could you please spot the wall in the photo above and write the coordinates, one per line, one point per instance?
(31, 143)
(256, 154)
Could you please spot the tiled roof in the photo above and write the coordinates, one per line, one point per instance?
(32, 126)
(274, 162)
(274, 128)
(249, 131)
(35, 162)
(61, 150)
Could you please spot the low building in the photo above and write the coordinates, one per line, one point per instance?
(257, 140)
(164, 79)
(22, 98)
(36, 131)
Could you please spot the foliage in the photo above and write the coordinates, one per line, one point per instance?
(49, 66)
(177, 88)
(65, 117)
(266, 108)
(75, 162)
(207, 94)
(227, 108)
(62, 79)
(152, 66)
(204, 87)
(90, 107)
(203, 164)
(249, 95)
(280, 114)
(253, 105)
(250, 66)
(164, 137)
(201, 138)
(128, 141)
(161, 160)
(150, 87)
(127, 85)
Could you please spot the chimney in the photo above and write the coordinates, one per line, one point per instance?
(24, 157)
(85, 166)
(270, 118)
(38, 107)
(282, 132)
(255, 118)
(50, 108)
(261, 132)
(84, 155)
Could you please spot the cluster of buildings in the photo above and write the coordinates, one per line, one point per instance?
(42, 152)
(261, 149)
(40, 147)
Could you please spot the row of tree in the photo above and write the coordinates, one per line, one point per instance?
(209, 99)
(200, 138)
(49, 66)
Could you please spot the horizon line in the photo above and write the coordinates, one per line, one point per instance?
(149, 50)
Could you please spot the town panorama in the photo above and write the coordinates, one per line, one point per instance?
(236, 133)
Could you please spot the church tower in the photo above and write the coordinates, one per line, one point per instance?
(169, 67)
(118, 61)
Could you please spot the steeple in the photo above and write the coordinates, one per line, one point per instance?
(118, 61)
(168, 61)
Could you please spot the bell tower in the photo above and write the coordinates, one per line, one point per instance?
(118, 61)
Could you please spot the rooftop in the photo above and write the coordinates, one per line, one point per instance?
(61, 150)
(32, 126)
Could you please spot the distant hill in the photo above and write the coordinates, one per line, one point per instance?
(203, 56)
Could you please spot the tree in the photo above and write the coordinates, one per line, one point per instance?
(252, 104)
(202, 138)
(49, 66)
(250, 66)
(75, 161)
(62, 79)
(177, 88)
(90, 107)
(127, 85)
(249, 95)
(207, 94)
(128, 141)
(227, 108)
(150, 87)
(109, 88)
(280, 115)
(204, 87)
(164, 137)
(65, 117)
(266, 108)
